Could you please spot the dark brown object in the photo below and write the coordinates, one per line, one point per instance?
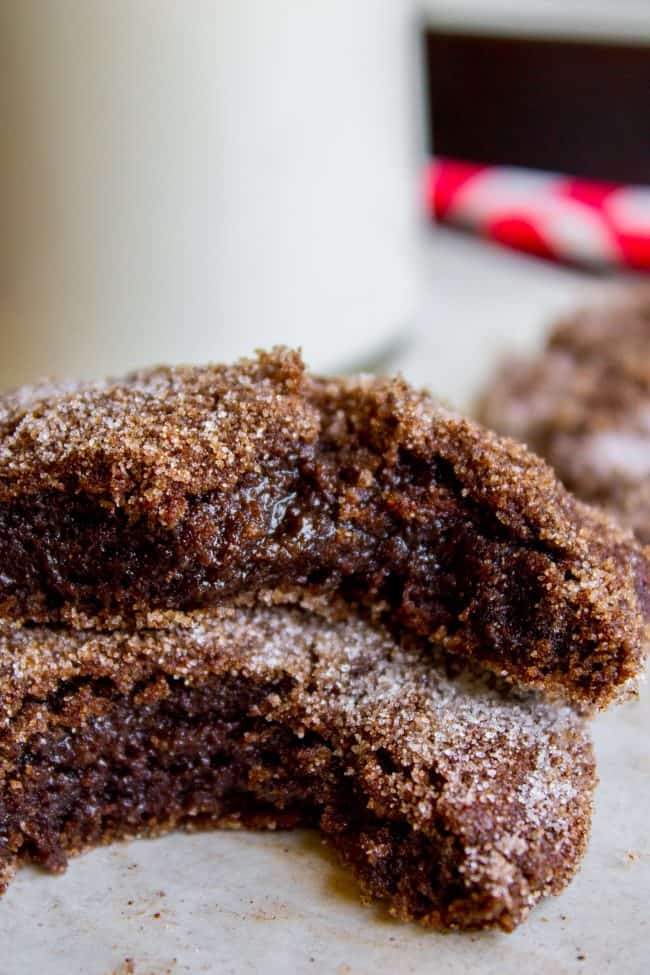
(584, 405)
(177, 489)
(458, 803)
(542, 103)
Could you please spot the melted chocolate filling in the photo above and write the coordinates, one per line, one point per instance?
(404, 544)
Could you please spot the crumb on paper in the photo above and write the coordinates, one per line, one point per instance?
(128, 968)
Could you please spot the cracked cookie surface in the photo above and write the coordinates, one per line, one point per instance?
(174, 489)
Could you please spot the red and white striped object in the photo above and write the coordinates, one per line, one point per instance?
(553, 216)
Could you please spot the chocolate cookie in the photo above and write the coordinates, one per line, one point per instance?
(176, 489)
(584, 405)
(457, 802)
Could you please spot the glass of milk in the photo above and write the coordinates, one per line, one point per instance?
(187, 181)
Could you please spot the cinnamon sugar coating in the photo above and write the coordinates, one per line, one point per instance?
(176, 489)
(584, 405)
(457, 802)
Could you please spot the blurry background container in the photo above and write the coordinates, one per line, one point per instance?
(187, 181)
(480, 301)
(624, 20)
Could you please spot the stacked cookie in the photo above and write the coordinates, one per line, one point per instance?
(244, 595)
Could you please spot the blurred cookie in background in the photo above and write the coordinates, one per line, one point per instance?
(584, 404)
